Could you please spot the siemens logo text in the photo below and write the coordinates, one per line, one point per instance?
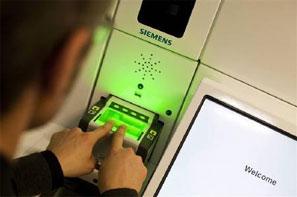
(156, 37)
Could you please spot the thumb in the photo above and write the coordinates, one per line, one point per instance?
(101, 131)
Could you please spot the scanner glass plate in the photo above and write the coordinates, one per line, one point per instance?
(135, 128)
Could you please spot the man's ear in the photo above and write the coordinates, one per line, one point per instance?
(57, 80)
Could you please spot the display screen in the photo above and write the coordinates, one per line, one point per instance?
(169, 16)
(226, 152)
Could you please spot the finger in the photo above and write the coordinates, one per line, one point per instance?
(58, 135)
(118, 139)
(74, 130)
(101, 131)
(106, 127)
(93, 161)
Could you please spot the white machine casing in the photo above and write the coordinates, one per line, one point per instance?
(231, 96)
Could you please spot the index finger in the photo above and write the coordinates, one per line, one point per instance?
(101, 131)
(118, 139)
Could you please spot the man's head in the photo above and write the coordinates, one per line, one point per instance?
(42, 43)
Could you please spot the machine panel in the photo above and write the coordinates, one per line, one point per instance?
(190, 43)
(148, 76)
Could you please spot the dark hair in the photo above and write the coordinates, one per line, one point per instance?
(31, 31)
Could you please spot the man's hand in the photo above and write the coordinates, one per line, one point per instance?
(122, 168)
(73, 148)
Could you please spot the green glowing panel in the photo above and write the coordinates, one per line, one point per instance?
(135, 128)
(146, 75)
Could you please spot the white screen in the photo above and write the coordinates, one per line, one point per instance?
(220, 149)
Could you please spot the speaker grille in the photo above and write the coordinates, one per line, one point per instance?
(147, 67)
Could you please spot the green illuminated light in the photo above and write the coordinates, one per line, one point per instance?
(134, 127)
(101, 34)
(145, 75)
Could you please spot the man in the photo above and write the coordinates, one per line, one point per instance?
(42, 44)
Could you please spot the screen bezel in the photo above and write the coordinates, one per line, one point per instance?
(228, 106)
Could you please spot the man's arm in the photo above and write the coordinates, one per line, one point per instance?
(69, 154)
(37, 173)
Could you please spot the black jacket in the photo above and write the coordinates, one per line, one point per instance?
(38, 173)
